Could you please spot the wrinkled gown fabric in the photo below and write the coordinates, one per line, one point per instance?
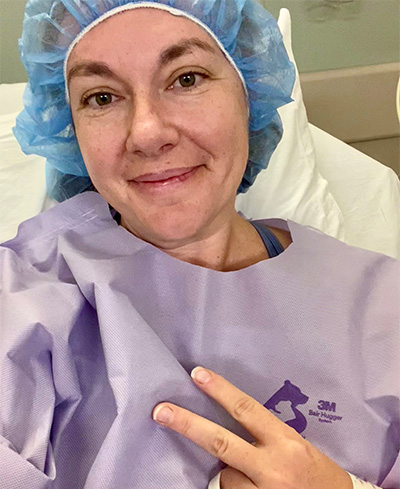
(97, 327)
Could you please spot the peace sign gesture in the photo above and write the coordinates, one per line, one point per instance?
(279, 459)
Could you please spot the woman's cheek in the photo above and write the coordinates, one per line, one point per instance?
(98, 140)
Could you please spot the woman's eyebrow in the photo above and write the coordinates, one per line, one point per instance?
(183, 47)
(92, 68)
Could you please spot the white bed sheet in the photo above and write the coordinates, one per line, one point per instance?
(367, 192)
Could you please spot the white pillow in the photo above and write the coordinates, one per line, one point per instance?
(292, 187)
(22, 181)
(367, 192)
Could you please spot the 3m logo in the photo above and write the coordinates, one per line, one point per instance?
(327, 406)
(323, 412)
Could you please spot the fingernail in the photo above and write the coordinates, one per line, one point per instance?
(200, 375)
(162, 414)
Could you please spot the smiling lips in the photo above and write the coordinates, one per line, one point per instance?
(167, 177)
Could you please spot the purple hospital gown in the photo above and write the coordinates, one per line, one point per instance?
(97, 327)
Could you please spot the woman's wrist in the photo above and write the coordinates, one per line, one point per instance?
(357, 483)
(360, 484)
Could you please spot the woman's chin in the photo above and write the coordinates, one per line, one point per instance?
(168, 233)
(178, 223)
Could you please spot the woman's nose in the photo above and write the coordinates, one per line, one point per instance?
(150, 132)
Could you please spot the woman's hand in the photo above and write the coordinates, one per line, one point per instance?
(279, 459)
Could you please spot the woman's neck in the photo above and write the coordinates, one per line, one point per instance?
(233, 246)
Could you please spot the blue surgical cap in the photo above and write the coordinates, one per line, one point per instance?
(247, 32)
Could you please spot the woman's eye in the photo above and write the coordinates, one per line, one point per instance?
(187, 80)
(100, 99)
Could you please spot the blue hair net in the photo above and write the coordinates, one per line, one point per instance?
(246, 30)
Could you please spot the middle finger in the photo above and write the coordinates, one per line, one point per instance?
(252, 415)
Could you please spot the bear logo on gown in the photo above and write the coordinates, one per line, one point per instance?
(289, 396)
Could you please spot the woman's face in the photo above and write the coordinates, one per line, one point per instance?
(161, 120)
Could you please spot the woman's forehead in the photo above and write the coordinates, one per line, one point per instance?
(144, 32)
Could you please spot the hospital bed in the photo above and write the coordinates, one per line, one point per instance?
(313, 178)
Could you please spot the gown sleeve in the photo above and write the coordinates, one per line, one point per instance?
(39, 388)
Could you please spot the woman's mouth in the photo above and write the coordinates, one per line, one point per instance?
(164, 179)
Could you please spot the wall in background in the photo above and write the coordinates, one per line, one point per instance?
(11, 17)
(348, 54)
(334, 34)
(358, 106)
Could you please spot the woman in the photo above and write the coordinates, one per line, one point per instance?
(105, 313)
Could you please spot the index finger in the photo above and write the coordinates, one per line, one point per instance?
(252, 415)
(216, 440)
